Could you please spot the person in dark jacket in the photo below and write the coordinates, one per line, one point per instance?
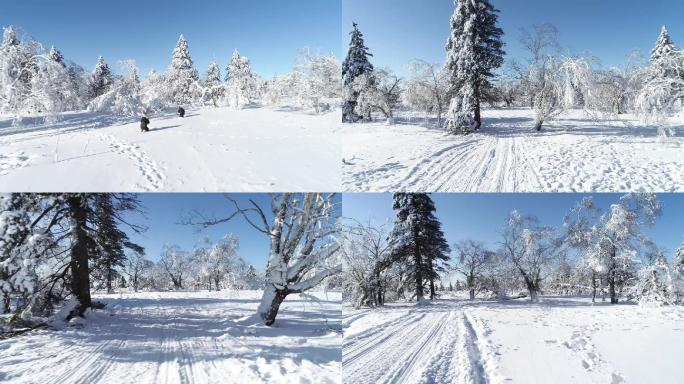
(143, 124)
(181, 112)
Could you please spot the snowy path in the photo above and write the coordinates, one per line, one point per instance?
(422, 345)
(211, 149)
(560, 340)
(572, 154)
(194, 337)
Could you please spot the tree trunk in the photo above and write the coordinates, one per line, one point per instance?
(270, 304)
(472, 293)
(532, 289)
(611, 278)
(6, 303)
(419, 272)
(593, 286)
(538, 125)
(80, 273)
(432, 289)
(216, 283)
(109, 280)
(478, 118)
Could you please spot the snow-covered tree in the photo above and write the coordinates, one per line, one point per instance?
(214, 89)
(472, 260)
(662, 93)
(531, 249)
(155, 94)
(241, 82)
(417, 237)
(427, 88)
(474, 50)
(355, 64)
(18, 65)
(380, 90)
(123, 96)
(319, 79)
(101, 79)
(303, 247)
(182, 76)
(678, 260)
(176, 264)
(223, 259)
(657, 283)
(137, 269)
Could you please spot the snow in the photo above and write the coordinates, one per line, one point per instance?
(212, 149)
(184, 337)
(574, 153)
(560, 340)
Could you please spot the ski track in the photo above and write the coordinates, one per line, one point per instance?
(147, 167)
(423, 346)
(506, 156)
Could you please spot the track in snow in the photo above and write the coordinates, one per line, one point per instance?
(424, 346)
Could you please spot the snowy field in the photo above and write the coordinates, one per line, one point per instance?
(184, 337)
(574, 153)
(211, 149)
(561, 340)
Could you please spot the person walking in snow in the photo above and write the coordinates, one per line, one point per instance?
(181, 112)
(143, 124)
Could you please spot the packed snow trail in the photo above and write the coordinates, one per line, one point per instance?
(564, 340)
(574, 153)
(211, 150)
(183, 337)
(431, 344)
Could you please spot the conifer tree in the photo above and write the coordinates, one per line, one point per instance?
(678, 261)
(664, 46)
(213, 87)
(417, 237)
(355, 64)
(474, 50)
(101, 79)
(183, 76)
(56, 56)
(241, 81)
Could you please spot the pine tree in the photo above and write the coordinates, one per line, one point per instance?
(678, 261)
(417, 237)
(664, 46)
(56, 56)
(9, 37)
(355, 64)
(101, 79)
(110, 241)
(241, 81)
(213, 87)
(474, 50)
(182, 75)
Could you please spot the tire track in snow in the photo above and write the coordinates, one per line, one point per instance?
(147, 167)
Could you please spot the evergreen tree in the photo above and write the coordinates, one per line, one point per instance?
(355, 64)
(9, 37)
(474, 50)
(678, 261)
(101, 79)
(110, 241)
(664, 47)
(182, 75)
(56, 56)
(417, 237)
(213, 87)
(241, 81)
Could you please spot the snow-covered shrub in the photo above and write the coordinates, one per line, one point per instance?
(426, 89)
(154, 93)
(656, 284)
(123, 97)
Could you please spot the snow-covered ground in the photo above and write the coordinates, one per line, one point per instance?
(561, 340)
(574, 153)
(211, 149)
(184, 337)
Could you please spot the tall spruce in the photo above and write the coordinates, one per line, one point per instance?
(664, 46)
(182, 76)
(101, 79)
(417, 237)
(110, 240)
(474, 51)
(213, 87)
(355, 64)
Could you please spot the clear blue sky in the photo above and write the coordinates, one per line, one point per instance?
(481, 216)
(398, 31)
(269, 32)
(164, 212)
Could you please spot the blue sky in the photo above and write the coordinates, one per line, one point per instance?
(269, 32)
(164, 212)
(481, 216)
(398, 31)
